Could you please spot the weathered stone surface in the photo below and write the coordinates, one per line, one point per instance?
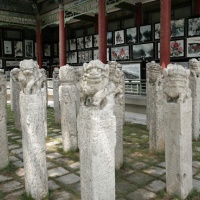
(15, 97)
(59, 171)
(68, 179)
(56, 84)
(194, 66)
(178, 131)
(4, 156)
(141, 194)
(96, 133)
(32, 114)
(69, 106)
(156, 186)
(154, 107)
(10, 186)
(139, 178)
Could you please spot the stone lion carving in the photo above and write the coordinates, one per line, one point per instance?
(66, 74)
(30, 77)
(56, 73)
(176, 83)
(94, 85)
(154, 72)
(194, 66)
(14, 74)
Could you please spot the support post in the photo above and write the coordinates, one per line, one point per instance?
(197, 7)
(138, 17)
(39, 42)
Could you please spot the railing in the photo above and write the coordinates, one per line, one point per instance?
(136, 87)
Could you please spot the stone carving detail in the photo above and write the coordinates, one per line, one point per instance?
(4, 155)
(155, 107)
(32, 114)
(69, 106)
(117, 77)
(56, 84)
(178, 131)
(15, 96)
(176, 83)
(96, 132)
(194, 78)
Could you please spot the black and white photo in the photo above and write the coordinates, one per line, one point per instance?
(142, 51)
(119, 37)
(72, 57)
(95, 40)
(194, 26)
(96, 54)
(55, 49)
(47, 50)
(178, 28)
(145, 33)
(109, 38)
(18, 48)
(193, 47)
(88, 41)
(131, 35)
(7, 47)
(131, 71)
(28, 48)
(120, 53)
(80, 43)
(157, 31)
(72, 44)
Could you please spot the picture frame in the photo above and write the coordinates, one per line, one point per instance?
(178, 28)
(84, 56)
(7, 47)
(72, 44)
(119, 37)
(131, 71)
(109, 38)
(156, 31)
(193, 26)
(72, 57)
(143, 51)
(120, 53)
(55, 50)
(80, 43)
(88, 41)
(47, 50)
(1, 63)
(12, 63)
(193, 47)
(96, 54)
(95, 40)
(145, 33)
(177, 49)
(18, 48)
(88, 55)
(29, 48)
(131, 35)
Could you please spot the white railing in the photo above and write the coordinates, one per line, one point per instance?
(136, 87)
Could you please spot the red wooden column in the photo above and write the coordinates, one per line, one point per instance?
(62, 36)
(96, 24)
(138, 16)
(39, 42)
(102, 29)
(165, 32)
(197, 7)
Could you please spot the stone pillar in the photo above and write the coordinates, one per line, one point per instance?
(96, 133)
(16, 90)
(102, 29)
(56, 84)
(165, 32)
(11, 94)
(178, 130)
(33, 131)
(155, 107)
(39, 42)
(4, 155)
(117, 77)
(194, 66)
(68, 107)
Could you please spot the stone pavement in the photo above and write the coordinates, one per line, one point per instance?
(142, 176)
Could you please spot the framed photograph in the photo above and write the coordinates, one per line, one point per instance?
(72, 44)
(81, 56)
(131, 71)
(109, 38)
(47, 50)
(131, 35)
(28, 48)
(88, 56)
(12, 63)
(80, 43)
(96, 54)
(55, 50)
(194, 26)
(72, 57)
(120, 53)
(119, 37)
(18, 48)
(1, 63)
(156, 31)
(176, 49)
(88, 41)
(141, 51)
(193, 47)
(145, 33)
(95, 40)
(7, 47)
(178, 28)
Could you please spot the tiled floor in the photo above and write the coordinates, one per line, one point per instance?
(141, 177)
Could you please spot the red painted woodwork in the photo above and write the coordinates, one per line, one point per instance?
(197, 7)
(138, 16)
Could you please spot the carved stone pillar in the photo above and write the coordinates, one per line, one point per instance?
(194, 66)
(4, 155)
(96, 133)
(178, 130)
(68, 106)
(155, 107)
(33, 131)
(56, 84)
(11, 94)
